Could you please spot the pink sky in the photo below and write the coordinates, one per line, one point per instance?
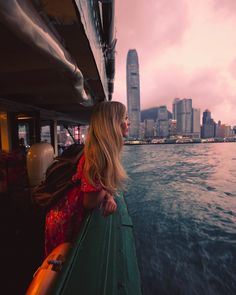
(186, 49)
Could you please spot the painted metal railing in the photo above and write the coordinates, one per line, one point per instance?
(103, 259)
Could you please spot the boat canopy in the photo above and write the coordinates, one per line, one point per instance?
(57, 55)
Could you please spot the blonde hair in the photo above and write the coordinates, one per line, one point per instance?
(103, 146)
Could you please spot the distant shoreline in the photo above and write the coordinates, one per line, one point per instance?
(178, 143)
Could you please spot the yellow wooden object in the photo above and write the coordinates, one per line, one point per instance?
(4, 126)
(46, 274)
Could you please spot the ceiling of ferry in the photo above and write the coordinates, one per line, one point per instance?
(30, 77)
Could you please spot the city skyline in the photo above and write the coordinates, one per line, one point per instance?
(200, 111)
(186, 51)
(185, 122)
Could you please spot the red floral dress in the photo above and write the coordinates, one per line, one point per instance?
(64, 220)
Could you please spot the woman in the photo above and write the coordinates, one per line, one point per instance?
(100, 171)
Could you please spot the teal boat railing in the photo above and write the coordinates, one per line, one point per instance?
(103, 259)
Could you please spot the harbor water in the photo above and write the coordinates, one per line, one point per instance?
(182, 200)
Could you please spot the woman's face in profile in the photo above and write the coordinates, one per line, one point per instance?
(125, 126)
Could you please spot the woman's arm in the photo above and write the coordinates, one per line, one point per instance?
(93, 199)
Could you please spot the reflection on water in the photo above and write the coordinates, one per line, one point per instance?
(182, 199)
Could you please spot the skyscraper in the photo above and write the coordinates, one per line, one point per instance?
(149, 128)
(133, 93)
(174, 108)
(162, 122)
(206, 117)
(184, 116)
(196, 126)
(208, 125)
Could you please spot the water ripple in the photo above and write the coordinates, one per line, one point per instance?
(182, 202)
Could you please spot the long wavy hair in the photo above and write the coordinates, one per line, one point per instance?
(103, 146)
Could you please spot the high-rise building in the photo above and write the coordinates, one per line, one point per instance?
(223, 130)
(187, 118)
(174, 109)
(196, 127)
(208, 125)
(234, 130)
(162, 113)
(162, 122)
(149, 128)
(172, 127)
(206, 117)
(184, 116)
(133, 93)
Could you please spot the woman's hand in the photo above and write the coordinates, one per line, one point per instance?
(108, 205)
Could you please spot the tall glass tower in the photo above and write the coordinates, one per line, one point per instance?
(133, 93)
(184, 116)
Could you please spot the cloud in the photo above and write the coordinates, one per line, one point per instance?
(224, 8)
(232, 69)
(185, 49)
(228, 106)
(175, 82)
(208, 88)
(152, 26)
(151, 29)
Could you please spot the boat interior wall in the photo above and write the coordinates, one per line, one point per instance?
(77, 115)
(53, 55)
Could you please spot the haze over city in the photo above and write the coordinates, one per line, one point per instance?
(186, 49)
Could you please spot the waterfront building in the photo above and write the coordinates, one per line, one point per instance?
(234, 130)
(218, 131)
(206, 117)
(162, 122)
(174, 108)
(162, 128)
(184, 116)
(152, 113)
(172, 127)
(196, 126)
(149, 125)
(133, 93)
(223, 130)
(162, 113)
(208, 125)
(228, 131)
(142, 130)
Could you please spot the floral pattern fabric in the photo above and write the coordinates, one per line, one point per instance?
(64, 220)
